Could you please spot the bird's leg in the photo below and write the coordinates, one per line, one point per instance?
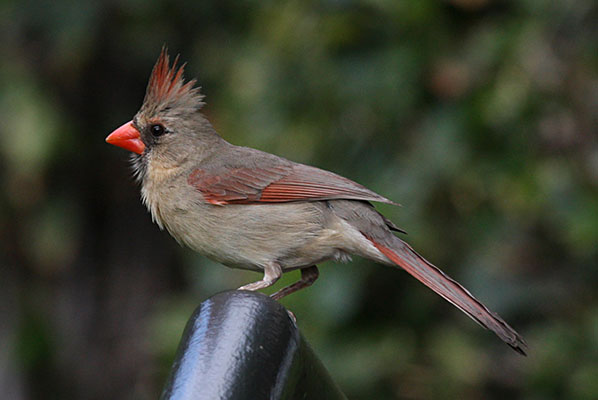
(272, 273)
(308, 277)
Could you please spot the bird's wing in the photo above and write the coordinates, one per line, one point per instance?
(277, 183)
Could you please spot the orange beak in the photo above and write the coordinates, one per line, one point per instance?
(127, 137)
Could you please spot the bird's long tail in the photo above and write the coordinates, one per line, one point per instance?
(405, 257)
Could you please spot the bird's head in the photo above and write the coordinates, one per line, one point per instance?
(169, 122)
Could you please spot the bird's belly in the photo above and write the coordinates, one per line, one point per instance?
(251, 236)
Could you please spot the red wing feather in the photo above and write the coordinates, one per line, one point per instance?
(279, 184)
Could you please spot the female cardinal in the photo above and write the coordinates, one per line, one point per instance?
(248, 209)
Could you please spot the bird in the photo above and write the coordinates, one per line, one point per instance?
(253, 210)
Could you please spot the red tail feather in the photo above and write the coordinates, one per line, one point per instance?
(408, 259)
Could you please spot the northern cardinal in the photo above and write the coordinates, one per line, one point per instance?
(252, 210)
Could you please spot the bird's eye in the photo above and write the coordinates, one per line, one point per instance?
(157, 130)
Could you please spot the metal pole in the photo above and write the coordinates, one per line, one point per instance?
(243, 345)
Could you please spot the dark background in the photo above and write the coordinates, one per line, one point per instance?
(478, 116)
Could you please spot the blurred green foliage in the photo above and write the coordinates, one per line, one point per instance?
(479, 116)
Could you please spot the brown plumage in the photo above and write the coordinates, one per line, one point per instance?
(253, 210)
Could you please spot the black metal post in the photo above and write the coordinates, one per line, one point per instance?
(243, 345)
